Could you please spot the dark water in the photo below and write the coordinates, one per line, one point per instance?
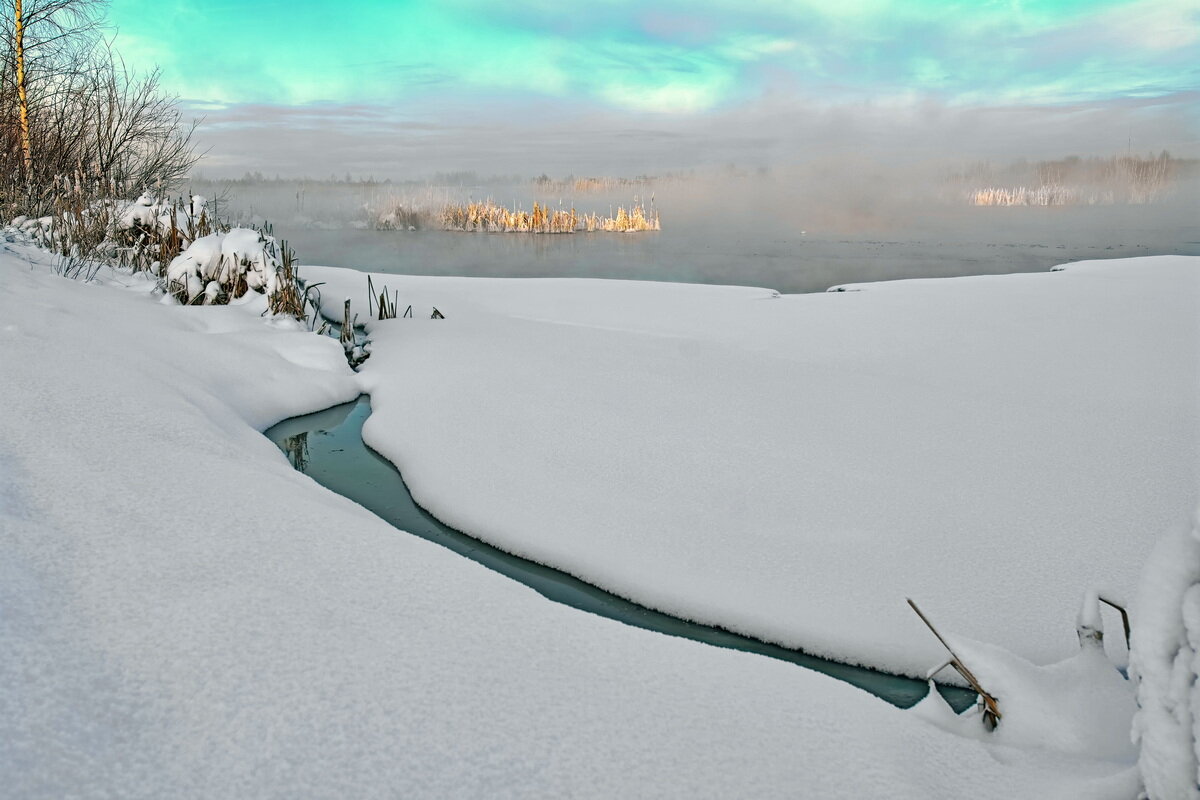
(776, 253)
(328, 447)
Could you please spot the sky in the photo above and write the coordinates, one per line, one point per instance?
(395, 88)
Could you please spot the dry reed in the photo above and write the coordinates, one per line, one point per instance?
(492, 218)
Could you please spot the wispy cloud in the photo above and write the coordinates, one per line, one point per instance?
(393, 52)
(686, 67)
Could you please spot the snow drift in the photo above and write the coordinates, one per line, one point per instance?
(1165, 664)
(793, 467)
(186, 616)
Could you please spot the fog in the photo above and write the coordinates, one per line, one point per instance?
(777, 131)
(769, 196)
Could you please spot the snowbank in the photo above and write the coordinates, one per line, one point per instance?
(184, 615)
(1165, 663)
(1079, 705)
(793, 467)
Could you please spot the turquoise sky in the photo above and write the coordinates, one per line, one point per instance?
(670, 60)
(673, 57)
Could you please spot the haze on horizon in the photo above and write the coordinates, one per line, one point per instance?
(406, 89)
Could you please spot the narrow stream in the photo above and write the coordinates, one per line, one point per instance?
(328, 447)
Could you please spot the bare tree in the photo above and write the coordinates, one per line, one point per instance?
(136, 136)
(43, 38)
(71, 110)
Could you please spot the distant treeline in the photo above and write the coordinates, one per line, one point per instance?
(1075, 181)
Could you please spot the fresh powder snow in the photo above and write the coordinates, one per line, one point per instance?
(794, 467)
(185, 615)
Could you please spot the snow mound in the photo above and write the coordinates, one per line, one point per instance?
(184, 615)
(1079, 706)
(241, 259)
(1165, 663)
(146, 212)
(792, 468)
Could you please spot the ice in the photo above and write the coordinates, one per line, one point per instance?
(793, 468)
(184, 615)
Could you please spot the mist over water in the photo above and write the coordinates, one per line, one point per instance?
(793, 231)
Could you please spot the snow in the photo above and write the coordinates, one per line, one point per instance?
(793, 467)
(1080, 705)
(144, 212)
(1165, 664)
(184, 615)
(222, 257)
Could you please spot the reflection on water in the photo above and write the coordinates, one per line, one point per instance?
(328, 447)
(296, 448)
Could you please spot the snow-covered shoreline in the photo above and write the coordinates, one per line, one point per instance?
(185, 615)
(793, 467)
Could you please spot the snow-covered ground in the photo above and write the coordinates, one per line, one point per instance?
(793, 467)
(1165, 665)
(184, 615)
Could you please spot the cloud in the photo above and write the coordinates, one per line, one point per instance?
(637, 86)
(673, 98)
(629, 54)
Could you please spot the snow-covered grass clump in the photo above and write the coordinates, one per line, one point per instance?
(146, 212)
(205, 261)
(225, 265)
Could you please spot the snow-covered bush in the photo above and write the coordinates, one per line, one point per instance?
(147, 213)
(223, 266)
(1165, 663)
(40, 229)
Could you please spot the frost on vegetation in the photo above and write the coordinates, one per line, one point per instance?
(490, 217)
(1165, 663)
(493, 218)
(206, 261)
(140, 235)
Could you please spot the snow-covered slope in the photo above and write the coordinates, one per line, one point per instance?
(183, 615)
(793, 467)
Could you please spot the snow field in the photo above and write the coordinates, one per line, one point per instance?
(184, 615)
(793, 467)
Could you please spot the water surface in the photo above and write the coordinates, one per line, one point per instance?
(328, 447)
(773, 253)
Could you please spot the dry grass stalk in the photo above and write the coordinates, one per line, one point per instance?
(991, 710)
(381, 301)
(290, 296)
